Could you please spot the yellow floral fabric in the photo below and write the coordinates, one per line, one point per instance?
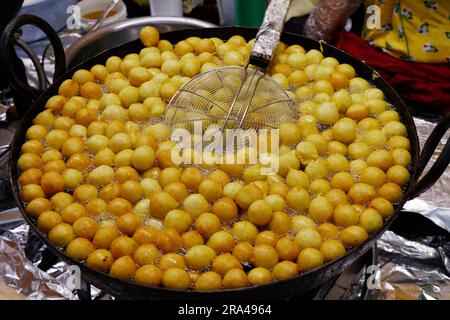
(413, 30)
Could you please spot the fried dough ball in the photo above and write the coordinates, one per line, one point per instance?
(195, 204)
(320, 209)
(383, 206)
(61, 234)
(391, 191)
(354, 236)
(85, 227)
(308, 237)
(289, 133)
(225, 209)
(244, 231)
(100, 260)
(47, 220)
(36, 132)
(208, 281)
(336, 196)
(123, 268)
(259, 276)
(146, 254)
(207, 224)
(31, 191)
(200, 256)
(221, 241)
(235, 278)
(265, 256)
(179, 220)
(28, 161)
(73, 212)
(149, 36)
(168, 240)
(169, 175)
(280, 222)
(361, 193)
(30, 176)
(210, 189)
(332, 250)
(148, 275)
(344, 130)
(161, 203)
(79, 249)
(276, 202)
(69, 88)
(128, 223)
(123, 246)
(191, 177)
(298, 199)
(398, 174)
(266, 237)
(287, 249)
(371, 220)
(85, 192)
(284, 270)
(309, 258)
(104, 237)
(297, 178)
(32, 146)
(299, 222)
(79, 161)
(91, 90)
(192, 238)
(247, 195)
(345, 215)
(144, 234)
(176, 278)
(171, 260)
(260, 212)
(328, 231)
(224, 263)
(37, 206)
(131, 190)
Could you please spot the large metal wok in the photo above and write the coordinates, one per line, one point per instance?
(276, 290)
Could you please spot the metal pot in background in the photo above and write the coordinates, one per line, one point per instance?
(122, 32)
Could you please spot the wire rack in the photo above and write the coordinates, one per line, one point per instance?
(230, 98)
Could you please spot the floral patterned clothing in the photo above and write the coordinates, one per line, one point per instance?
(413, 30)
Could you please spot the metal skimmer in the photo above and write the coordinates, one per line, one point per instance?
(235, 97)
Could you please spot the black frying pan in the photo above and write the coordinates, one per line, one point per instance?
(276, 290)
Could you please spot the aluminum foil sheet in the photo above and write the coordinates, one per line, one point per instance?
(269, 34)
(19, 273)
(411, 270)
(439, 195)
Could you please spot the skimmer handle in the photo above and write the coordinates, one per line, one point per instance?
(269, 33)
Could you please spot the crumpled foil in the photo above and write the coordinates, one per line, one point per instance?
(19, 273)
(269, 34)
(409, 269)
(438, 195)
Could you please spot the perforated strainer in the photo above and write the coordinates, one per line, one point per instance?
(235, 97)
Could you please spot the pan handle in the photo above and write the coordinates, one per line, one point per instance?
(440, 165)
(9, 39)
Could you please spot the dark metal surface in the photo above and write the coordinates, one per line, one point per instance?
(8, 55)
(276, 290)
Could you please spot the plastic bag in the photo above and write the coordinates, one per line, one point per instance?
(327, 18)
